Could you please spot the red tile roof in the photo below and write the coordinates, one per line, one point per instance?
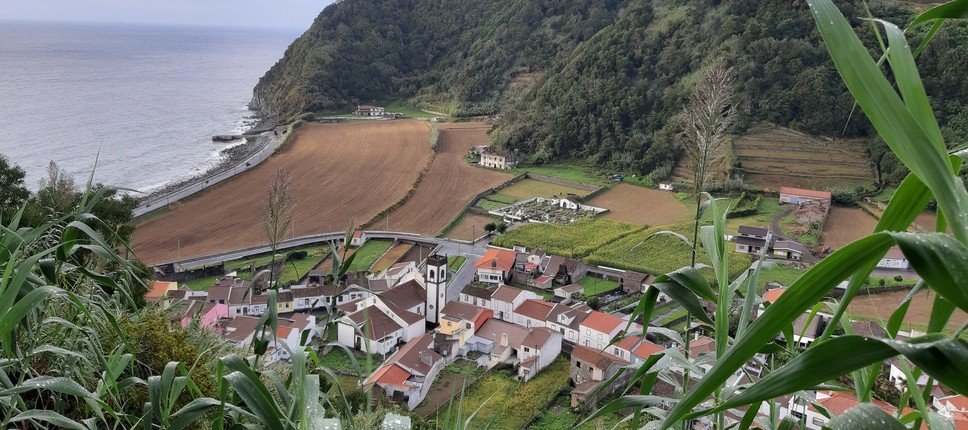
(772, 295)
(602, 322)
(157, 289)
(500, 259)
(628, 342)
(805, 193)
(537, 309)
(390, 375)
(282, 332)
(646, 349)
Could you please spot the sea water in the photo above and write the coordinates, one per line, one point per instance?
(143, 101)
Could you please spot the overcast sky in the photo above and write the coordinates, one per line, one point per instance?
(291, 14)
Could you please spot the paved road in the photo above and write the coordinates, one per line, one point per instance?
(269, 146)
(447, 247)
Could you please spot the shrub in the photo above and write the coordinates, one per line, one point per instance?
(898, 278)
(844, 197)
(297, 255)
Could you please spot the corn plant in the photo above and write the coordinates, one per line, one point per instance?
(903, 118)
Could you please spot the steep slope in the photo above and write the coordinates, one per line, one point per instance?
(596, 81)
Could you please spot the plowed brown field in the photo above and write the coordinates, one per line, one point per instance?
(880, 307)
(339, 172)
(641, 206)
(845, 225)
(447, 186)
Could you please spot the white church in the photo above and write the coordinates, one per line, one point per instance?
(380, 323)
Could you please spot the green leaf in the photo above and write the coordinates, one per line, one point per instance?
(936, 354)
(683, 295)
(915, 144)
(952, 9)
(49, 417)
(801, 295)
(865, 416)
(191, 412)
(941, 261)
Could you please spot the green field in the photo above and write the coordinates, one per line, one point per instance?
(510, 403)
(571, 172)
(595, 285)
(291, 271)
(528, 188)
(573, 240)
(560, 416)
(337, 359)
(455, 262)
(407, 110)
(367, 254)
(652, 253)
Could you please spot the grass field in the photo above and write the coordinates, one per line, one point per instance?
(560, 416)
(656, 254)
(329, 163)
(454, 262)
(407, 110)
(291, 271)
(528, 188)
(571, 172)
(572, 240)
(595, 285)
(367, 254)
(512, 404)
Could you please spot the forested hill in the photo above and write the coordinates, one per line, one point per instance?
(599, 80)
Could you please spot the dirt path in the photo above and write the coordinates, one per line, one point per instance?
(775, 222)
(448, 185)
(339, 172)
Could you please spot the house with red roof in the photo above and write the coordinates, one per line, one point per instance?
(289, 332)
(598, 329)
(407, 375)
(806, 328)
(528, 350)
(495, 266)
(532, 313)
(359, 238)
(157, 290)
(634, 349)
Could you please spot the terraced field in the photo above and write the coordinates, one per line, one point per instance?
(772, 156)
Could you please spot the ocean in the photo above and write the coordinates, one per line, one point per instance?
(142, 101)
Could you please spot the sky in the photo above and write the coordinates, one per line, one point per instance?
(288, 14)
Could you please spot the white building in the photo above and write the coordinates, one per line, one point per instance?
(406, 376)
(598, 329)
(894, 259)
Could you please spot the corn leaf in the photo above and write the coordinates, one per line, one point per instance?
(865, 416)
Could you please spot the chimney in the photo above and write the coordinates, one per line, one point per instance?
(504, 339)
(493, 264)
(425, 358)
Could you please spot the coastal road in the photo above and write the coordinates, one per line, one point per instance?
(269, 143)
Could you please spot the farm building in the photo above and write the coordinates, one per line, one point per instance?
(368, 110)
(667, 186)
(493, 160)
(359, 238)
(634, 282)
(798, 195)
(894, 259)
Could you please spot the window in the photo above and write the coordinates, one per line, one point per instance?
(526, 349)
(588, 332)
(467, 325)
(818, 421)
(578, 364)
(600, 336)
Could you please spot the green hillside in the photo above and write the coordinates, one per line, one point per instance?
(594, 81)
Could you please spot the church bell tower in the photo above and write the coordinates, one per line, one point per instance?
(436, 287)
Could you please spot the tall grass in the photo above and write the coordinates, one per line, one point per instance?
(904, 119)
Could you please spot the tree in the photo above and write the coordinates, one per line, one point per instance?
(13, 192)
(501, 227)
(279, 203)
(490, 227)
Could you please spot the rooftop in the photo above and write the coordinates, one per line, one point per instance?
(602, 322)
(500, 259)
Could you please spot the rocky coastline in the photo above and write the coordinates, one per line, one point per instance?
(256, 137)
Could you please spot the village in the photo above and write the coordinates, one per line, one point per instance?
(519, 308)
